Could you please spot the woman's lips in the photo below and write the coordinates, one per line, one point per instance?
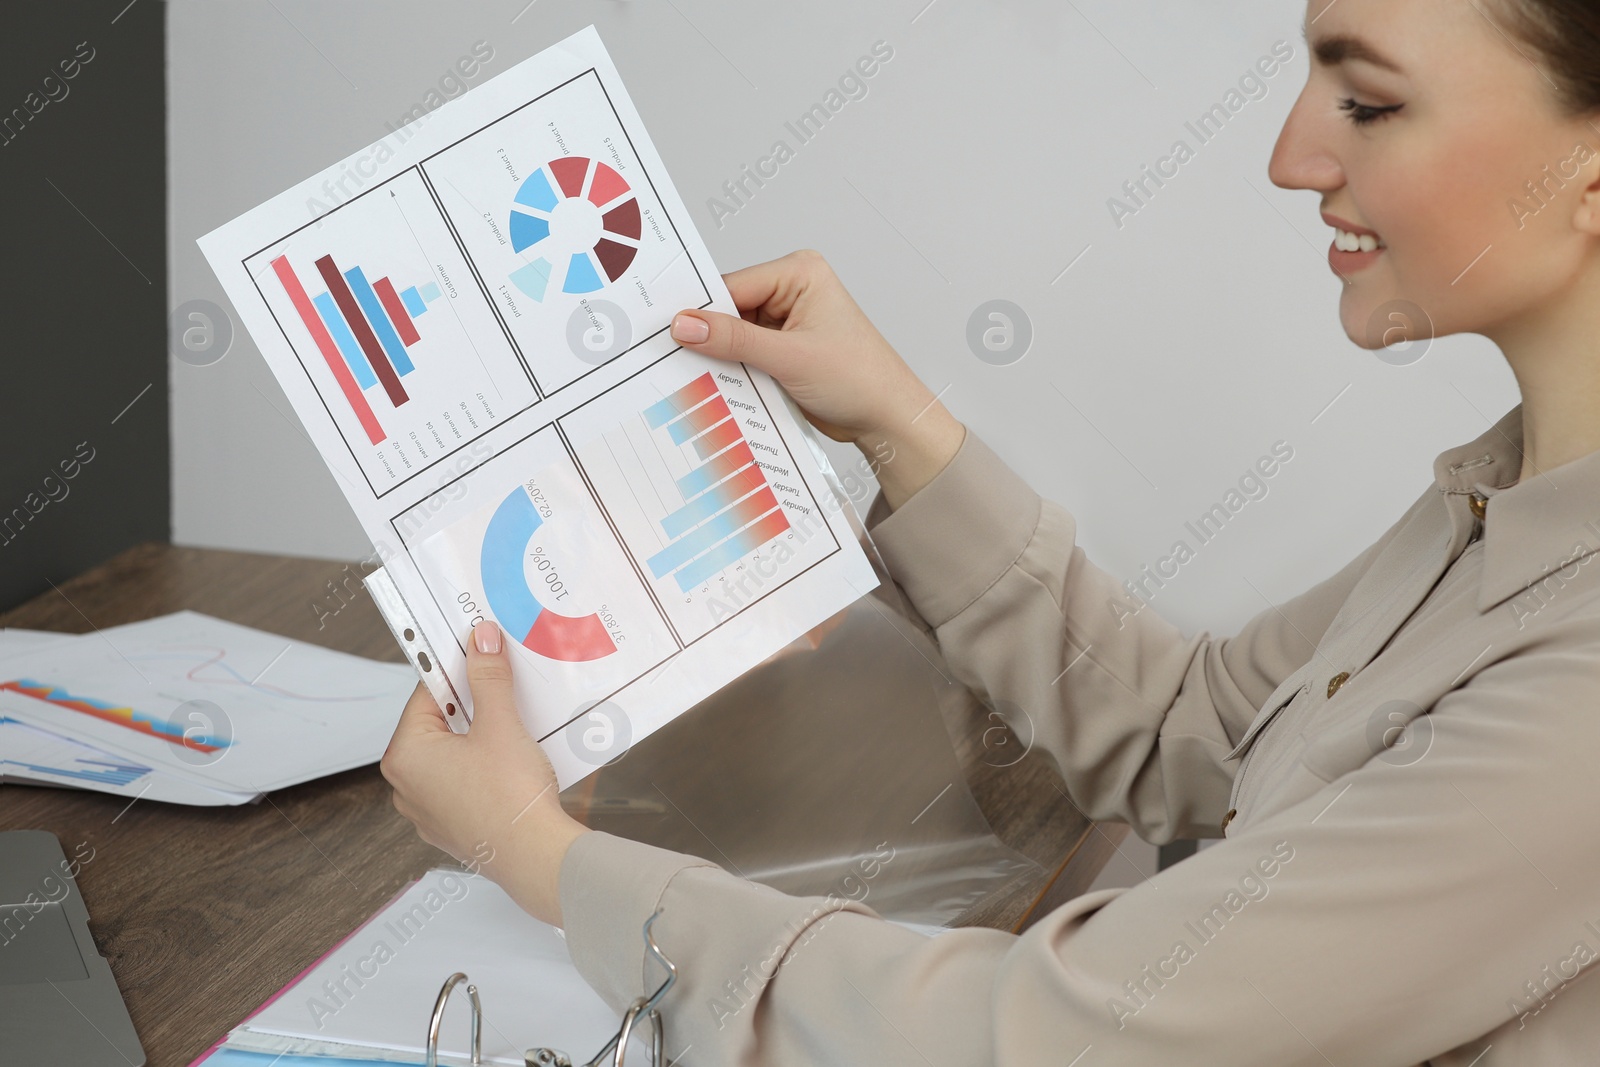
(1354, 247)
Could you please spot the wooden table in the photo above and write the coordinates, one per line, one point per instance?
(203, 913)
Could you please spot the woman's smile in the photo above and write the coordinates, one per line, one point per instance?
(1354, 247)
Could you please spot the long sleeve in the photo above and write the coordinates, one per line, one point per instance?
(1393, 914)
(1375, 907)
(1137, 717)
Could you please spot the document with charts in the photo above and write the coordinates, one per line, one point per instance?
(471, 319)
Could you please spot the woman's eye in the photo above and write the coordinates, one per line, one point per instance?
(1362, 114)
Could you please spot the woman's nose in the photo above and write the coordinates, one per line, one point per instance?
(1304, 156)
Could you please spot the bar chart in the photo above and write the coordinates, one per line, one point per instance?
(362, 329)
(410, 362)
(721, 523)
(703, 491)
(118, 715)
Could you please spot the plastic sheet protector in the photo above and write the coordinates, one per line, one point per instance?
(470, 317)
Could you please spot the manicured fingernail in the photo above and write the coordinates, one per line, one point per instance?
(486, 635)
(690, 330)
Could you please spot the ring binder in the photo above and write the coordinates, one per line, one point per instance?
(438, 1018)
(549, 1057)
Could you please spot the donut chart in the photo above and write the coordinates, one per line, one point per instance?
(579, 221)
(575, 639)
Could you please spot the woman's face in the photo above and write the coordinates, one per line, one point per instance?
(1424, 123)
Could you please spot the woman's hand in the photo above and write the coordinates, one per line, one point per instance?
(488, 796)
(797, 323)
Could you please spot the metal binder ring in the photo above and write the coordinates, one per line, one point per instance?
(658, 1036)
(438, 1018)
(616, 1048)
(627, 1030)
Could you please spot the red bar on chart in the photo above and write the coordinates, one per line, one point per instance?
(721, 436)
(753, 507)
(330, 352)
(397, 312)
(340, 291)
(768, 528)
(670, 407)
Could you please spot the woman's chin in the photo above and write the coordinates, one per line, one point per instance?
(1374, 322)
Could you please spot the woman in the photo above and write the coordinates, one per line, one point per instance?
(1402, 759)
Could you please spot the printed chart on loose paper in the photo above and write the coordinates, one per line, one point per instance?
(477, 343)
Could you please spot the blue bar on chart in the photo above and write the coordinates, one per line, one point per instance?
(706, 475)
(340, 331)
(729, 510)
(732, 550)
(417, 299)
(708, 536)
(723, 495)
(698, 420)
(665, 410)
(379, 319)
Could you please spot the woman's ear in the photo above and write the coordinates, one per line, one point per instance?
(1586, 218)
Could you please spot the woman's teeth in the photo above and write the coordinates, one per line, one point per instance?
(1345, 241)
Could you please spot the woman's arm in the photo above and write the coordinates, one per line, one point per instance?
(1138, 717)
(1398, 912)
(1402, 910)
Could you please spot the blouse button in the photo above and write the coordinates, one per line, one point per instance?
(1337, 682)
(1226, 819)
(1479, 505)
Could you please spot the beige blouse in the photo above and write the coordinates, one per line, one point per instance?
(1404, 761)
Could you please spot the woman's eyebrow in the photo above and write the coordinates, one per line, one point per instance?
(1337, 48)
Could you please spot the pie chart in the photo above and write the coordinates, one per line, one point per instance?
(573, 638)
(575, 222)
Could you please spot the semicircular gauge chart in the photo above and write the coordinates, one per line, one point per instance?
(576, 639)
(576, 223)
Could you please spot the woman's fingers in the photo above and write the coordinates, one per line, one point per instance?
(419, 720)
(732, 338)
(494, 701)
(421, 714)
(770, 289)
(765, 294)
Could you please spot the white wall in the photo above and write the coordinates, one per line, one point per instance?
(978, 166)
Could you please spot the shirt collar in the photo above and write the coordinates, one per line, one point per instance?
(1531, 528)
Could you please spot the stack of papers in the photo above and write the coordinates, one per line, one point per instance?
(188, 709)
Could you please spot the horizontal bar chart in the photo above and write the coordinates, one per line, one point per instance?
(397, 312)
(345, 340)
(362, 329)
(330, 351)
(728, 509)
(723, 495)
(118, 715)
(339, 289)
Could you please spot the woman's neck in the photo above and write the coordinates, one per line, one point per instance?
(1554, 354)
